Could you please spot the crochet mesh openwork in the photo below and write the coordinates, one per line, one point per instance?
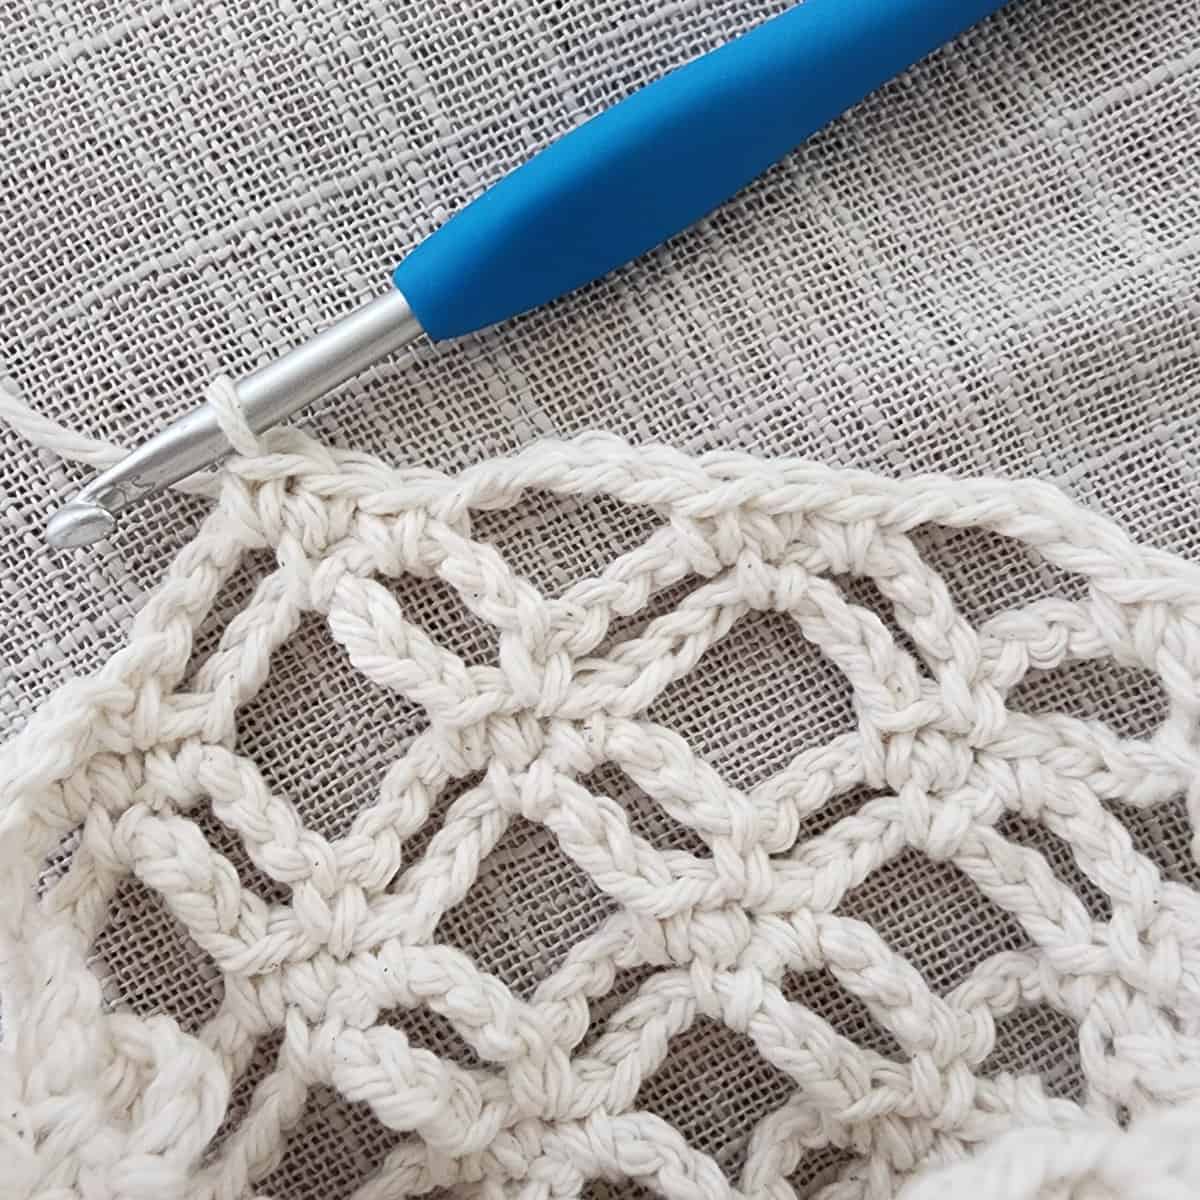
(327, 947)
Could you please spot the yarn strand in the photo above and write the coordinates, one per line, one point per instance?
(103, 1103)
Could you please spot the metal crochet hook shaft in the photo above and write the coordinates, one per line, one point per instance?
(610, 190)
(268, 396)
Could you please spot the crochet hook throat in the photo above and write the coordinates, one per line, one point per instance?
(266, 397)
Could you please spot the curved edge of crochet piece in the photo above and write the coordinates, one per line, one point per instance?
(134, 1103)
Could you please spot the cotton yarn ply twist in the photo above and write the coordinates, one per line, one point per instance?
(102, 1103)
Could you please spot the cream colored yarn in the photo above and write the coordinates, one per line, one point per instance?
(104, 1104)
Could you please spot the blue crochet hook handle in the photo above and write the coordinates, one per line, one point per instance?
(604, 194)
(632, 177)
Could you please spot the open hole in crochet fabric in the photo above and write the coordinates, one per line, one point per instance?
(1128, 700)
(229, 844)
(1039, 1040)
(836, 808)
(863, 591)
(1058, 854)
(756, 699)
(262, 1062)
(360, 1140)
(601, 1009)
(556, 541)
(417, 843)
(647, 818)
(1164, 835)
(429, 1030)
(820, 993)
(932, 915)
(528, 907)
(988, 573)
(1161, 834)
(58, 861)
(322, 735)
(739, 1087)
(819, 1168)
(333, 1141)
(436, 607)
(233, 598)
(149, 964)
(624, 1189)
(628, 627)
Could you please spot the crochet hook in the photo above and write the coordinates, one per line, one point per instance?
(602, 195)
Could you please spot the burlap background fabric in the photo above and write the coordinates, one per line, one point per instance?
(992, 266)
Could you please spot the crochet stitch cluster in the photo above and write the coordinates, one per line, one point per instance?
(102, 1103)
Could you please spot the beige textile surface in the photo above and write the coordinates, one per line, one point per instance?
(989, 267)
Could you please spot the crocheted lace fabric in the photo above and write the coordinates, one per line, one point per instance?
(713, 909)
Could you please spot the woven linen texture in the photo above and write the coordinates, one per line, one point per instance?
(701, 960)
(988, 268)
(700, 922)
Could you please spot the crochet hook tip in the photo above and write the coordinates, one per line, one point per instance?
(195, 441)
(79, 524)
